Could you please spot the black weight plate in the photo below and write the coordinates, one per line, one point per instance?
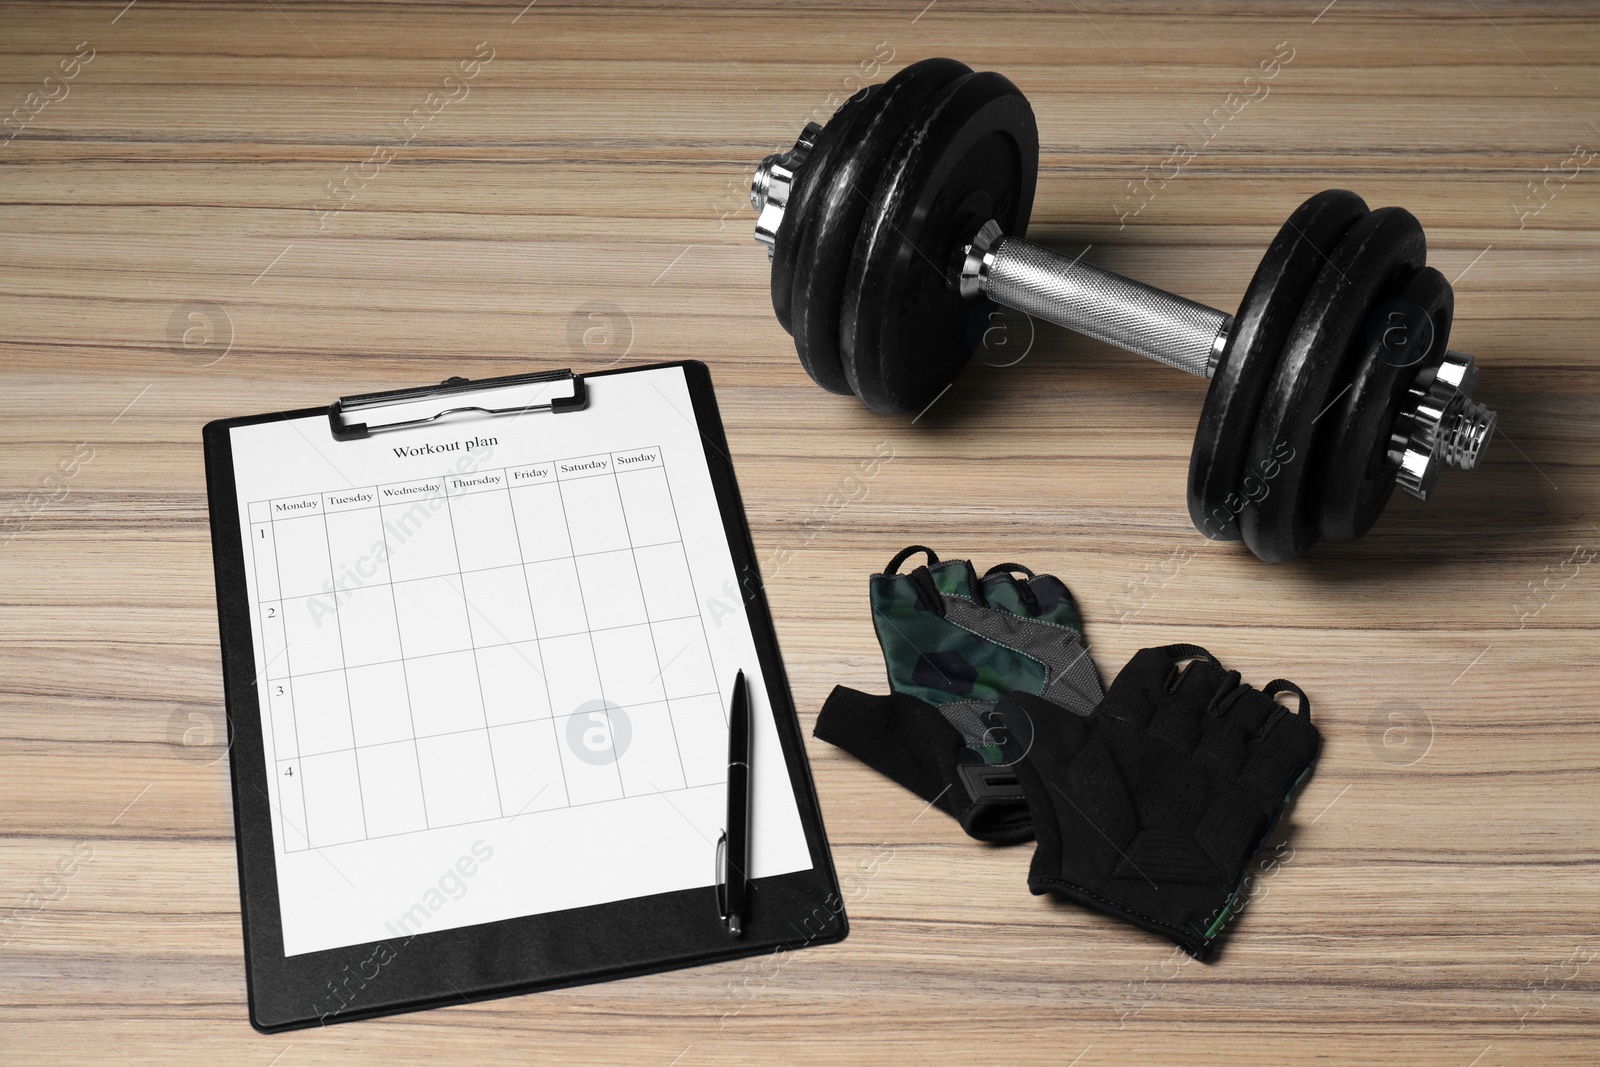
(841, 207)
(972, 155)
(1412, 323)
(1266, 315)
(796, 213)
(1282, 522)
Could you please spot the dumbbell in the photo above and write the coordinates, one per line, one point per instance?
(894, 229)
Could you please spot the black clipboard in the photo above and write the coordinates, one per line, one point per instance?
(639, 936)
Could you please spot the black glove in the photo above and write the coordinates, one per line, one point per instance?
(955, 644)
(1152, 807)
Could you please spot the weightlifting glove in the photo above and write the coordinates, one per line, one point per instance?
(1151, 808)
(954, 645)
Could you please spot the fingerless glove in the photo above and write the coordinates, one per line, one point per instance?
(1151, 808)
(955, 644)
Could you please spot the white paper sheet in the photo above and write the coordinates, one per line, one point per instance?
(494, 655)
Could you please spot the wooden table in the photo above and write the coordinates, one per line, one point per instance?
(196, 225)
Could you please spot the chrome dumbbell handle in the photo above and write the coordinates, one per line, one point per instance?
(1440, 425)
(1094, 302)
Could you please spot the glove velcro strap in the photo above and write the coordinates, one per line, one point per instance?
(910, 742)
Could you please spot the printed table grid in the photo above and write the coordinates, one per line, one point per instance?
(481, 645)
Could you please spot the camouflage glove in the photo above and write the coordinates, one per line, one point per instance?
(955, 645)
(1151, 808)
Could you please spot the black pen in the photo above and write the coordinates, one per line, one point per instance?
(734, 847)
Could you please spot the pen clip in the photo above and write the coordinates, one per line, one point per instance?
(722, 876)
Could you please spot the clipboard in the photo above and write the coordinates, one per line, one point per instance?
(522, 953)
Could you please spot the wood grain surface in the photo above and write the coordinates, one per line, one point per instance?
(172, 254)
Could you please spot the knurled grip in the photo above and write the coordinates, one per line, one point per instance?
(1105, 306)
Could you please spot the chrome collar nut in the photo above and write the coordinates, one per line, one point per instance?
(1442, 427)
(976, 258)
(769, 190)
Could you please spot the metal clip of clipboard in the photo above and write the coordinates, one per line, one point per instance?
(450, 397)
